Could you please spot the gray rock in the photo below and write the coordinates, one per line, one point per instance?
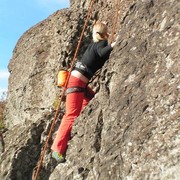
(130, 130)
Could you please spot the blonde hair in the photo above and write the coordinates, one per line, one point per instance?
(100, 31)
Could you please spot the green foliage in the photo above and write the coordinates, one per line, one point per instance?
(56, 102)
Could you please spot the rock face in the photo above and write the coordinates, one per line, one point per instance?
(130, 130)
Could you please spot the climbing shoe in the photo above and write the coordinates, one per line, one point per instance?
(58, 157)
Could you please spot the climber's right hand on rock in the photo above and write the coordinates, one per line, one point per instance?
(113, 44)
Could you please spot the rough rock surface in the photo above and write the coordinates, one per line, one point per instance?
(130, 130)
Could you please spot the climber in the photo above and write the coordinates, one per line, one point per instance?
(78, 93)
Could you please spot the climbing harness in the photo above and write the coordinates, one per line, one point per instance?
(79, 65)
(74, 89)
(87, 94)
(65, 86)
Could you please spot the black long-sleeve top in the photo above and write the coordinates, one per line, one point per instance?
(95, 56)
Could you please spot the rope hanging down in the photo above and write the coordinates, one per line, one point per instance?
(63, 92)
(115, 20)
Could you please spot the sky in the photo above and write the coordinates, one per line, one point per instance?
(16, 17)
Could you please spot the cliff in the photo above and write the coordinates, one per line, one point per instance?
(130, 130)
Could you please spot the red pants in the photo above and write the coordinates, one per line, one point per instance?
(75, 102)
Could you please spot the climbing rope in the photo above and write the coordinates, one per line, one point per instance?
(63, 92)
(115, 21)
